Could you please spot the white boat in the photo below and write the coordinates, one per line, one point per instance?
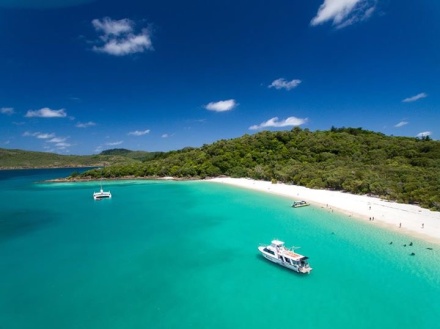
(297, 204)
(101, 195)
(276, 252)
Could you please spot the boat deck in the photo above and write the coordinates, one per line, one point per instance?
(290, 254)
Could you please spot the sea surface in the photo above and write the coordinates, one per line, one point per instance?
(166, 254)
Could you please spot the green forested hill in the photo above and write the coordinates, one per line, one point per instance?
(136, 155)
(12, 159)
(347, 159)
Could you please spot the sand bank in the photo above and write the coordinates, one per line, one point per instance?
(409, 219)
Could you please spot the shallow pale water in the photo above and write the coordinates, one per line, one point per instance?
(165, 254)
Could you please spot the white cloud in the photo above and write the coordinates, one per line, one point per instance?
(344, 12)
(62, 146)
(50, 140)
(85, 124)
(38, 135)
(117, 37)
(369, 12)
(415, 98)
(75, 99)
(139, 133)
(221, 106)
(113, 27)
(132, 44)
(7, 110)
(424, 134)
(114, 143)
(274, 122)
(46, 113)
(165, 136)
(283, 84)
(57, 140)
(401, 124)
(44, 136)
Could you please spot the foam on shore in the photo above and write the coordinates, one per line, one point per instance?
(409, 219)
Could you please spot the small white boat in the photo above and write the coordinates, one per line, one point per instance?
(101, 195)
(276, 252)
(297, 204)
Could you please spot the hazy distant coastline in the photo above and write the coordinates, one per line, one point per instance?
(49, 167)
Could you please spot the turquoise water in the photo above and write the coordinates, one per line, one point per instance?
(184, 255)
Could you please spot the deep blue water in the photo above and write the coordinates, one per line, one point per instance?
(165, 254)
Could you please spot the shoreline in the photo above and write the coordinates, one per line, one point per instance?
(407, 219)
(122, 178)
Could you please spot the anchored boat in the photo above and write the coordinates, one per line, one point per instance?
(297, 204)
(101, 194)
(276, 252)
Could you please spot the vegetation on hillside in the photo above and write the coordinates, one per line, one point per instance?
(347, 159)
(136, 155)
(19, 159)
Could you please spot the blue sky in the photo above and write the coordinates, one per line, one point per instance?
(82, 76)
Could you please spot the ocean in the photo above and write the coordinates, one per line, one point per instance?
(167, 254)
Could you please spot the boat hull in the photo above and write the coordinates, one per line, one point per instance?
(104, 195)
(101, 197)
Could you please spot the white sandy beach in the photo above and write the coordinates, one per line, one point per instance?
(409, 219)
